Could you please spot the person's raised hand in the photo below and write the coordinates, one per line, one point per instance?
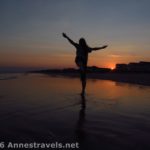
(64, 35)
(105, 46)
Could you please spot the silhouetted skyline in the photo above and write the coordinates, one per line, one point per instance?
(30, 32)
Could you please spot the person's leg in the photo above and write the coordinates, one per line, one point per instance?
(82, 67)
(83, 79)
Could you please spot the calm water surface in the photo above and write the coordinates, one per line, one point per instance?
(45, 108)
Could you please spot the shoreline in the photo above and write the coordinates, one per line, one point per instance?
(133, 78)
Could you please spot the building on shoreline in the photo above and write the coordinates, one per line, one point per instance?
(133, 67)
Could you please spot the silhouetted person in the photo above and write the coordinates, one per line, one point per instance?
(82, 50)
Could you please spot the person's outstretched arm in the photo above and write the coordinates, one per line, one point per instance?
(99, 48)
(72, 42)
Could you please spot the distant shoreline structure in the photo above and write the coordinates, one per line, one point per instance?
(140, 67)
(135, 73)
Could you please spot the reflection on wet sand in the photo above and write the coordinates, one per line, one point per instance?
(80, 130)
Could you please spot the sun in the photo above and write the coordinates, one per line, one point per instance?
(112, 68)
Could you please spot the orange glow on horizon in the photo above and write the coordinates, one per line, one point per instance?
(111, 66)
(62, 60)
(50, 61)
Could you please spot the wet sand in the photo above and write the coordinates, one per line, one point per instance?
(134, 78)
(139, 78)
(43, 108)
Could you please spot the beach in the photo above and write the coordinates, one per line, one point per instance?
(44, 108)
(133, 78)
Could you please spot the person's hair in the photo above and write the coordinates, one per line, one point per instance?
(82, 42)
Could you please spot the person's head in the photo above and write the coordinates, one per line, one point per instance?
(82, 42)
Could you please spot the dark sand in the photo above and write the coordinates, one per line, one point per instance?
(134, 78)
(141, 78)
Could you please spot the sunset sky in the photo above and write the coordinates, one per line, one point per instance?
(30, 32)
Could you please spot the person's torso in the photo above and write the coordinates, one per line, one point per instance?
(81, 52)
